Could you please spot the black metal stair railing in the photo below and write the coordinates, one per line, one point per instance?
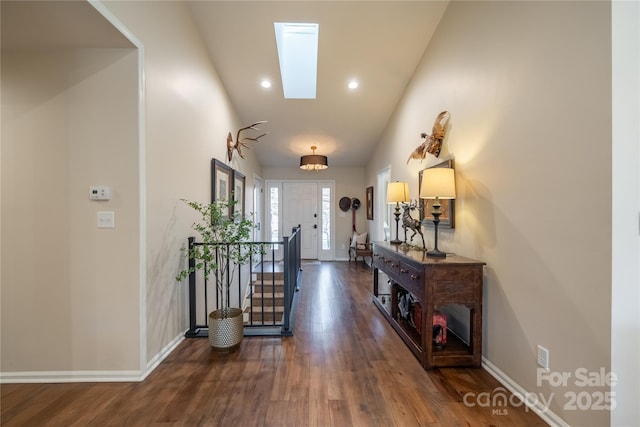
(270, 289)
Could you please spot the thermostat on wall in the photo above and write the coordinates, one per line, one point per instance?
(99, 192)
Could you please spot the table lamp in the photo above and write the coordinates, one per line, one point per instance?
(397, 192)
(438, 184)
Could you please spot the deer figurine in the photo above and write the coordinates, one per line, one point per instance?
(239, 142)
(409, 222)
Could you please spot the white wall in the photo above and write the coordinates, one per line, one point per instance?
(625, 203)
(69, 290)
(105, 303)
(188, 116)
(528, 88)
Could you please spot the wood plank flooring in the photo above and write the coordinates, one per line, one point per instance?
(344, 366)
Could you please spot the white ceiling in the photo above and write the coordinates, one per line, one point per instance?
(379, 43)
(28, 25)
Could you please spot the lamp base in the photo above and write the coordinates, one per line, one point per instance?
(436, 253)
(396, 241)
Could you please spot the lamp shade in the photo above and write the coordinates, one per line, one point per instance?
(438, 182)
(313, 162)
(398, 192)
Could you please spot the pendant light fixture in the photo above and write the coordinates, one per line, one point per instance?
(313, 162)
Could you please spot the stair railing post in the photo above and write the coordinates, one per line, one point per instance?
(298, 249)
(287, 284)
(192, 291)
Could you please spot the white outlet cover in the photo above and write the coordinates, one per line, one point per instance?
(106, 219)
(543, 357)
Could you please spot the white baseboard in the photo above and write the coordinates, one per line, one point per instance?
(90, 376)
(547, 415)
(70, 377)
(166, 351)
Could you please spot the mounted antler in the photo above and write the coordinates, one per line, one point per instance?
(432, 143)
(239, 142)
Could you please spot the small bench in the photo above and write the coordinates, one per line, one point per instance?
(359, 246)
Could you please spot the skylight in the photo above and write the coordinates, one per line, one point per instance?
(298, 54)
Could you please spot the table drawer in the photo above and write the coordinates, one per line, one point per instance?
(411, 279)
(468, 274)
(453, 292)
(387, 263)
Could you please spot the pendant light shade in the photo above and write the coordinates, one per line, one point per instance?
(313, 162)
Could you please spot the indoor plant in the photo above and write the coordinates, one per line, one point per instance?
(219, 254)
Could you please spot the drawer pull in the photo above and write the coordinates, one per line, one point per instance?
(403, 271)
(414, 277)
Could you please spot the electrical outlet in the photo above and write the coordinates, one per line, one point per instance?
(543, 357)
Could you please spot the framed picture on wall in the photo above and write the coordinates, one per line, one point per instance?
(221, 181)
(369, 202)
(447, 219)
(238, 193)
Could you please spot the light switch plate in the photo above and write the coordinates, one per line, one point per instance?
(106, 219)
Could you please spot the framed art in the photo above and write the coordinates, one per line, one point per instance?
(221, 181)
(447, 219)
(238, 193)
(369, 201)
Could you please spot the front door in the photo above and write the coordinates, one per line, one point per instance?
(300, 206)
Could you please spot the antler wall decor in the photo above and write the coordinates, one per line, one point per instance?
(432, 143)
(239, 142)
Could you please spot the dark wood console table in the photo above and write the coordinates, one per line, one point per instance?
(435, 283)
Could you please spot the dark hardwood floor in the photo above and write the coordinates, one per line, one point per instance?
(344, 366)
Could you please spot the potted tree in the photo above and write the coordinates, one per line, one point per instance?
(219, 254)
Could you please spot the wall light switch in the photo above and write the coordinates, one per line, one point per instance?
(106, 219)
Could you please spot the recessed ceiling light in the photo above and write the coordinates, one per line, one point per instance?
(265, 84)
(353, 84)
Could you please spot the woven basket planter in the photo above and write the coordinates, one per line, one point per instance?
(226, 329)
